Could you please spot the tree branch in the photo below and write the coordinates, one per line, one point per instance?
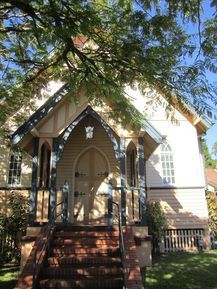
(14, 29)
(25, 7)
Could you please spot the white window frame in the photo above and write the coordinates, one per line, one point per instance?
(15, 169)
(167, 164)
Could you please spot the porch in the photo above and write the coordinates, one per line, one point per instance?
(107, 166)
(88, 174)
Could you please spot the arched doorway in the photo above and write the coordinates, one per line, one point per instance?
(91, 186)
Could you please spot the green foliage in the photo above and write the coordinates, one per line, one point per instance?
(122, 42)
(13, 226)
(212, 208)
(214, 149)
(8, 276)
(156, 222)
(209, 162)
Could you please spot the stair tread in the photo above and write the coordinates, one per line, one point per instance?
(61, 251)
(69, 227)
(76, 261)
(88, 271)
(84, 246)
(83, 241)
(105, 283)
(82, 234)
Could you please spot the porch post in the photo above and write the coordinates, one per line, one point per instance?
(53, 177)
(141, 173)
(110, 205)
(33, 194)
(123, 180)
(65, 192)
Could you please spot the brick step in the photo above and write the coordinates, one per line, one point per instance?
(62, 251)
(85, 242)
(85, 261)
(110, 283)
(84, 234)
(88, 272)
(78, 248)
(85, 228)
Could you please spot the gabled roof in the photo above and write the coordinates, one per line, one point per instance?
(207, 122)
(39, 114)
(52, 102)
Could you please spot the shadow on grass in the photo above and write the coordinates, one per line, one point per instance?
(8, 276)
(182, 270)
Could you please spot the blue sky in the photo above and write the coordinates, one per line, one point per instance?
(211, 135)
(207, 13)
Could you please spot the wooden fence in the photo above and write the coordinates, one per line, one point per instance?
(182, 240)
(9, 245)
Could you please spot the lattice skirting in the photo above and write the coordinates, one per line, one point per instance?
(176, 240)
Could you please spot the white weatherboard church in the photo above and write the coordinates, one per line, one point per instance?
(74, 142)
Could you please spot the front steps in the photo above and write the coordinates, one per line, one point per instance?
(83, 257)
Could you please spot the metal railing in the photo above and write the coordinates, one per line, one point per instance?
(43, 245)
(121, 240)
(138, 204)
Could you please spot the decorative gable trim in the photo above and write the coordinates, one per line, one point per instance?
(39, 114)
(151, 130)
(70, 128)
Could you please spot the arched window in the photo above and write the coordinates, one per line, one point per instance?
(168, 172)
(44, 179)
(131, 165)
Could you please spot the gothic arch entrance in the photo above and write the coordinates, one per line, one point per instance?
(91, 186)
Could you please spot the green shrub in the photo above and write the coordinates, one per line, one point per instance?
(212, 208)
(156, 222)
(12, 227)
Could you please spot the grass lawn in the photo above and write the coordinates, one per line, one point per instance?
(8, 276)
(183, 271)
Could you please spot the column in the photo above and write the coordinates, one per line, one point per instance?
(33, 194)
(65, 192)
(110, 205)
(123, 180)
(53, 178)
(141, 175)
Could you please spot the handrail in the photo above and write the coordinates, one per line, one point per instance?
(126, 188)
(131, 188)
(121, 239)
(46, 238)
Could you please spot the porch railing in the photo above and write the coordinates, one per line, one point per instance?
(132, 199)
(121, 241)
(43, 200)
(43, 246)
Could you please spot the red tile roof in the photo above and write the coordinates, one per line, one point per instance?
(211, 176)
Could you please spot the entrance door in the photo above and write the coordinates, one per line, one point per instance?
(91, 201)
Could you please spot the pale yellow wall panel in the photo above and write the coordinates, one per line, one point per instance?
(61, 115)
(184, 207)
(4, 162)
(72, 108)
(48, 126)
(26, 171)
